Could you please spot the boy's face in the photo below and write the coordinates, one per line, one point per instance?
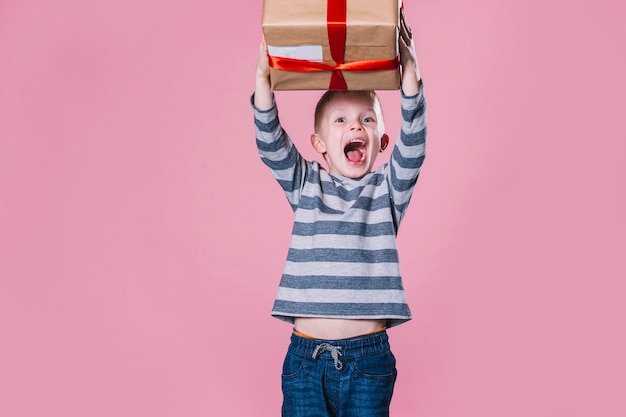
(348, 135)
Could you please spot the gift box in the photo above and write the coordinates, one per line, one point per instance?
(332, 44)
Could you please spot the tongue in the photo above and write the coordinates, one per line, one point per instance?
(354, 151)
(354, 155)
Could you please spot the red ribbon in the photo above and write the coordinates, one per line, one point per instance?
(336, 27)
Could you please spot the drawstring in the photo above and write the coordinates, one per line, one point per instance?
(334, 352)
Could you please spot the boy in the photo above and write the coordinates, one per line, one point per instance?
(341, 286)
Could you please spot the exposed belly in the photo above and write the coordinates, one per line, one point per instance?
(323, 328)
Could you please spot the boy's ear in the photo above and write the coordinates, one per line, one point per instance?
(318, 143)
(384, 141)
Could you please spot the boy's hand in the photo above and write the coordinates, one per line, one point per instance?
(410, 71)
(262, 63)
(263, 96)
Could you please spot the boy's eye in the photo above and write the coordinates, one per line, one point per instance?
(368, 119)
(340, 119)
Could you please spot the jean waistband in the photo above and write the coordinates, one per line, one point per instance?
(351, 347)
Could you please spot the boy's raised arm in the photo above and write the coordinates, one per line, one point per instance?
(263, 96)
(411, 79)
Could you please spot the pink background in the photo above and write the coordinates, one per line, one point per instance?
(141, 239)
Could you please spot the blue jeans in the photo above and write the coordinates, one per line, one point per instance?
(338, 378)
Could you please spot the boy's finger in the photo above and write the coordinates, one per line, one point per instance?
(405, 29)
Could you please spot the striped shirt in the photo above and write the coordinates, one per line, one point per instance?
(343, 260)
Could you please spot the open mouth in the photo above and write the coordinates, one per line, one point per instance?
(355, 151)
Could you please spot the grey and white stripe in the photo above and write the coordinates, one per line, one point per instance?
(343, 260)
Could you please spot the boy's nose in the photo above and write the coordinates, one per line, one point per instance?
(356, 125)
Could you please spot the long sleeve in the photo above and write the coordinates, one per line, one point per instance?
(278, 152)
(343, 259)
(408, 153)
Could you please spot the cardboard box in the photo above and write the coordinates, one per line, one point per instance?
(297, 33)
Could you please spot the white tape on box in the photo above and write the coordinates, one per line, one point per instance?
(305, 52)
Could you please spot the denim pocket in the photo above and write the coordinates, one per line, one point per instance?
(293, 365)
(379, 366)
